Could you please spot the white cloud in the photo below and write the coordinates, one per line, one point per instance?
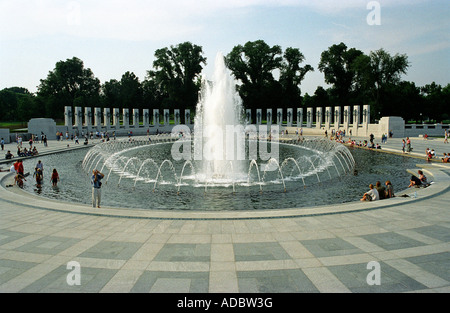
(140, 19)
(135, 20)
(403, 28)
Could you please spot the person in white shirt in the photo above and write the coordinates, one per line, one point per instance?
(371, 195)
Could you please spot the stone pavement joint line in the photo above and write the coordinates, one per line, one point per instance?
(288, 251)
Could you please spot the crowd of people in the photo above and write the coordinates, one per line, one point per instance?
(406, 144)
(25, 153)
(431, 154)
(446, 158)
(379, 192)
(101, 135)
(364, 144)
(20, 176)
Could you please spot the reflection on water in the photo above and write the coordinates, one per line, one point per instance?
(74, 186)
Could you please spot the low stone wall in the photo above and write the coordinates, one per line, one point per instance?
(433, 130)
(4, 133)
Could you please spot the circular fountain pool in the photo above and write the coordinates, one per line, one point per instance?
(229, 164)
(142, 175)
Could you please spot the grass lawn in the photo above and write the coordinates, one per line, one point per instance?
(14, 126)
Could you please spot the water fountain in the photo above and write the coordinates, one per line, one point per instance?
(230, 160)
(223, 150)
(218, 115)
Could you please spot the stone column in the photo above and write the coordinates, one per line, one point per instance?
(68, 116)
(290, 117)
(136, 118)
(337, 117)
(346, 114)
(177, 116)
(106, 118)
(126, 118)
(258, 116)
(319, 116)
(98, 117)
(187, 117)
(248, 116)
(146, 118)
(328, 115)
(300, 117)
(116, 117)
(366, 114)
(269, 117)
(309, 117)
(365, 122)
(356, 119)
(166, 117)
(279, 117)
(87, 117)
(156, 117)
(78, 119)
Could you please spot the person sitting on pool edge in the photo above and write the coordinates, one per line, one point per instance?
(419, 181)
(381, 190)
(423, 178)
(389, 190)
(371, 195)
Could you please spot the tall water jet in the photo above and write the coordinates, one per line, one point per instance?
(218, 131)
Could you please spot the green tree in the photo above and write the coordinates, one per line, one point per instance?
(292, 75)
(321, 98)
(8, 104)
(435, 101)
(151, 94)
(130, 92)
(68, 84)
(176, 75)
(27, 107)
(386, 70)
(110, 94)
(253, 64)
(18, 104)
(446, 99)
(377, 75)
(405, 100)
(336, 64)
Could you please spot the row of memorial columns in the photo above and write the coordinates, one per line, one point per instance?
(98, 118)
(322, 117)
(318, 118)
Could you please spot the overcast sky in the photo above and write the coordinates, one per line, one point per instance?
(112, 37)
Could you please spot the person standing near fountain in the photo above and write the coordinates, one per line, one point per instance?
(96, 187)
(55, 178)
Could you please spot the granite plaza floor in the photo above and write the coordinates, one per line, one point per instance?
(287, 251)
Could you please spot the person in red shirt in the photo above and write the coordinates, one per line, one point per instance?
(55, 177)
(20, 168)
(16, 166)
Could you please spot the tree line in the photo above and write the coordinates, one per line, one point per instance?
(268, 77)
